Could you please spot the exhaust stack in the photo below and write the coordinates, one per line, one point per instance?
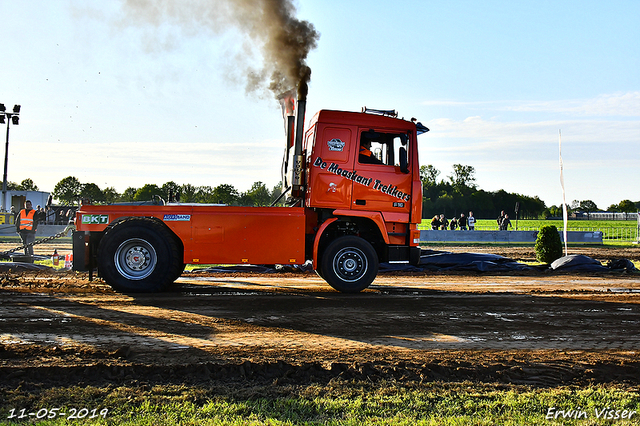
(297, 181)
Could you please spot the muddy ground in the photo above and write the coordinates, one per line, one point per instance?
(535, 328)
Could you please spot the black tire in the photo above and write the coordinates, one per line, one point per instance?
(349, 264)
(180, 270)
(319, 268)
(139, 255)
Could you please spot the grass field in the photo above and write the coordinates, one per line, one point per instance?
(335, 403)
(613, 230)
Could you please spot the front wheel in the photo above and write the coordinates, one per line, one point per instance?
(139, 255)
(349, 264)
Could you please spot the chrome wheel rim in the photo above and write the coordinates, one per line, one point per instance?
(135, 259)
(350, 264)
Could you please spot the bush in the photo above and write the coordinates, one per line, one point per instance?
(548, 244)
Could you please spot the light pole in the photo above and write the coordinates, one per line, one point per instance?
(15, 118)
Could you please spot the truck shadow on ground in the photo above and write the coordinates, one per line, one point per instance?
(176, 337)
(413, 318)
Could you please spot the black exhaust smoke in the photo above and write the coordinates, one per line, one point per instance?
(269, 26)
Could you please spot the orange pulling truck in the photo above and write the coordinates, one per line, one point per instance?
(355, 200)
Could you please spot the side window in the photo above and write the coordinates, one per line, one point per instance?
(382, 148)
(400, 142)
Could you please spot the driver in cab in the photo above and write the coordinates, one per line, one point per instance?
(366, 156)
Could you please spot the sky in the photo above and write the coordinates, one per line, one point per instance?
(117, 97)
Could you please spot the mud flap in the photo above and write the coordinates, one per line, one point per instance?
(414, 255)
(80, 251)
(404, 254)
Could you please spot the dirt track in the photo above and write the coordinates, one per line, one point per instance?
(538, 329)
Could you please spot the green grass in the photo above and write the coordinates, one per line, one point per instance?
(336, 403)
(537, 223)
(571, 224)
(614, 231)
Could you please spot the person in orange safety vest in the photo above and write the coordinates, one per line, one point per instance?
(26, 224)
(365, 155)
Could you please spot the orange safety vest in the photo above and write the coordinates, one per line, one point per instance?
(365, 151)
(26, 220)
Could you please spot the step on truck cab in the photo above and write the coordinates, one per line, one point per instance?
(354, 200)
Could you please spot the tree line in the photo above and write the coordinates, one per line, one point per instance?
(458, 193)
(455, 194)
(71, 191)
(25, 185)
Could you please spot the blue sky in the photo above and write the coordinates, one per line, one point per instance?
(115, 99)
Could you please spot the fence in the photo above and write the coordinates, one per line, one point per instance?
(607, 216)
(508, 237)
(611, 234)
(41, 231)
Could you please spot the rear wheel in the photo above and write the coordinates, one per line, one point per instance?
(139, 255)
(349, 264)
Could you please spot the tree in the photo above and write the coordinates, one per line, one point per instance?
(67, 191)
(462, 178)
(110, 195)
(129, 194)
(204, 194)
(91, 192)
(555, 211)
(188, 193)
(171, 191)
(627, 206)
(429, 175)
(275, 193)
(588, 206)
(258, 195)
(548, 246)
(225, 194)
(27, 185)
(147, 192)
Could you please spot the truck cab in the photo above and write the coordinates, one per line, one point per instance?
(340, 176)
(362, 180)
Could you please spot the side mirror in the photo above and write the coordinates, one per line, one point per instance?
(404, 163)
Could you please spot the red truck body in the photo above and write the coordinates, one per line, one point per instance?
(348, 214)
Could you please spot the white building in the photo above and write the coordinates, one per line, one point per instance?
(17, 199)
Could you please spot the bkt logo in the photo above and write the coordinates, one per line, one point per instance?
(95, 219)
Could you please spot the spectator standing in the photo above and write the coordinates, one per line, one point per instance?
(51, 216)
(435, 223)
(462, 222)
(506, 222)
(500, 219)
(40, 216)
(444, 223)
(471, 221)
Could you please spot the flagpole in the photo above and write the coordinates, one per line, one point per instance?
(564, 201)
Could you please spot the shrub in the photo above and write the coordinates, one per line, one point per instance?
(548, 244)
